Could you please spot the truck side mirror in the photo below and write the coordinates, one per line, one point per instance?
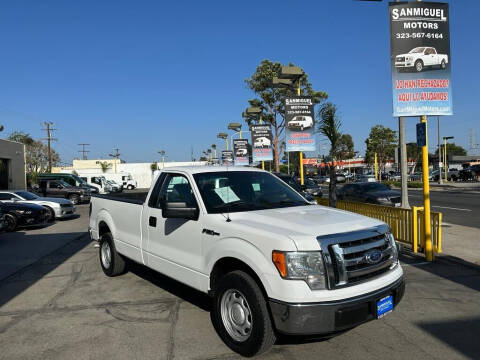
(179, 210)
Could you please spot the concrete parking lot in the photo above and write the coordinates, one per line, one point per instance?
(56, 303)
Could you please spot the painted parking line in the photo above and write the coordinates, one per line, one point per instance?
(451, 208)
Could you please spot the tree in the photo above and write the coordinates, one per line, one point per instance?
(272, 99)
(329, 126)
(453, 149)
(382, 141)
(345, 149)
(36, 153)
(105, 166)
(153, 166)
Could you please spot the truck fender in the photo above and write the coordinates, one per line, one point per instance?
(105, 217)
(246, 253)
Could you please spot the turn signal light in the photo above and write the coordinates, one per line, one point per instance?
(278, 259)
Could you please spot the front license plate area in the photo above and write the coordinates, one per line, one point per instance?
(384, 306)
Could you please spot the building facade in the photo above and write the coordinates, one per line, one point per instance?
(12, 165)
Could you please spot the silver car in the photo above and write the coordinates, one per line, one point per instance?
(57, 208)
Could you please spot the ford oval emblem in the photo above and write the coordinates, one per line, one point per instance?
(373, 256)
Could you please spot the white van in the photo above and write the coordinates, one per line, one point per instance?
(300, 122)
(262, 142)
(123, 178)
(98, 181)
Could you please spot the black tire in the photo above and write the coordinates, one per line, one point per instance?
(116, 264)
(11, 222)
(419, 66)
(261, 335)
(74, 198)
(130, 187)
(50, 214)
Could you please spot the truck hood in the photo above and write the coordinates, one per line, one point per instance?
(303, 224)
(413, 55)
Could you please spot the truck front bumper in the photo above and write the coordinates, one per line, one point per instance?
(332, 316)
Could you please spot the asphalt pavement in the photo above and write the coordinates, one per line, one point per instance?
(61, 306)
(458, 207)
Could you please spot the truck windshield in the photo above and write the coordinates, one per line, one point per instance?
(416, 50)
(233, 191)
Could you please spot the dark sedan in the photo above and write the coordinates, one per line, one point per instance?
(370, 192)
(22, 215)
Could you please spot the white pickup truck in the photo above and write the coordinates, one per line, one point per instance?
(271, 262)
(419, 58)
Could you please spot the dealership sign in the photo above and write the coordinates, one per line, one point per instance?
(261, 142)
(420, 58)
(227, 157)
(240, 150)
(299, 123)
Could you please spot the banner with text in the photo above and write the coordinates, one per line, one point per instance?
(227, 157)
(261, 143)
(299, 123)
(420, 58)
(240, 150)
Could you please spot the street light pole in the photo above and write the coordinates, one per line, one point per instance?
(440, 181)
(445, 138)
(162, 153)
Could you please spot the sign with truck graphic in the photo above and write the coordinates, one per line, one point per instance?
(261, 143)
(420, 58)
(299, 123)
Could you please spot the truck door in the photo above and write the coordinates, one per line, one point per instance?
(173, 246)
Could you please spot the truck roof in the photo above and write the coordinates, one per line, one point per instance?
(204, 169)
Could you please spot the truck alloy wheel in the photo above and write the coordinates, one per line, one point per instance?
(419, 65)
(240, 315)
(112, 262)
(443, 65)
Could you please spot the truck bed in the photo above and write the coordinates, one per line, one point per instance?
(129, 197)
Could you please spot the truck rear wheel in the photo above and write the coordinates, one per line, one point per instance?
(113, 264)
(240, 315)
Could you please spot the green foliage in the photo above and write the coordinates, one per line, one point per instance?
(284, 168)
(271, 100)
(382, 141)
(398, 184)
(453, 149)
(105, 166)
(154, 166)
(345, 148)
(36, 153)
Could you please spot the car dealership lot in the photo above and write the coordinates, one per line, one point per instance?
(56, 303)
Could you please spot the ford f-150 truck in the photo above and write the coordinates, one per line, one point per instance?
(419, 58)
(273, 263)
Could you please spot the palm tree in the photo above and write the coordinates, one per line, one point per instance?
(329, 126)
(105, 166)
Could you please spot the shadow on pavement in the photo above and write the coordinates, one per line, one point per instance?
(25, 258)
(457, 333)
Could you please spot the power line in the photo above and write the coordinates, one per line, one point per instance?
(49, 139)
(83, 151)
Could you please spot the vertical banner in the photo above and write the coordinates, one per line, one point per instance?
(420, 58)
(299, 123)
(240, 150)
(227, 157)
(261, 142)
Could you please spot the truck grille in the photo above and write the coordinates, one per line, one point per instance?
(400, 59)
(351, 258)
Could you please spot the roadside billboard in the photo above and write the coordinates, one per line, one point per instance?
(227, 157)
(299, 123)
(240, 151)
(420, 58)
(261, 142)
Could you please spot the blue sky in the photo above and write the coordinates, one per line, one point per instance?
(148, 75)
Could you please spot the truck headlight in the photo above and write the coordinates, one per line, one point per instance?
(306, 266)
(391, 240)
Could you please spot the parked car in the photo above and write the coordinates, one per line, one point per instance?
(272, 263)
(452, 174)
(369, 192)
(60, 189)
(72, 179)
(57, 208)
(365, 178)
(300, 122)
(420, 58)
(18, 215)
(470, 173)
(415, 176)
(294, 183)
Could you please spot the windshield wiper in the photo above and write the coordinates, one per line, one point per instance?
(234, 204)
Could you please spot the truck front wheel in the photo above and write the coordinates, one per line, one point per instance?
(240, 315)
(419, 65)
(443, 65)
(112, 262)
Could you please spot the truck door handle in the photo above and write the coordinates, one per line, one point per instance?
(152, 221)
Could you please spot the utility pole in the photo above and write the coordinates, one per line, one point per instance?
(115, 156)
(83, 151)
(49, 138)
